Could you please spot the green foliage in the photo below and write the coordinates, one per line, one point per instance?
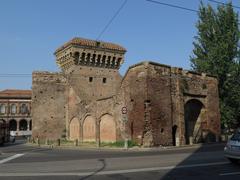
(216, 51)
(119, 144)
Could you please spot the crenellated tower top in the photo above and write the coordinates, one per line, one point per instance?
(85, 52)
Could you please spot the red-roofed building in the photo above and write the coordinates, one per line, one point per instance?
(15, 110)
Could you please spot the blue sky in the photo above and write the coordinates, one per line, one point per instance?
(31, 30)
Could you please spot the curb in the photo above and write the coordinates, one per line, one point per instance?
(133, 149)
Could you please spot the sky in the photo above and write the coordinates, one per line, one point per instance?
(31, 30)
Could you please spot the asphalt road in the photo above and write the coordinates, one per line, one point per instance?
(19, 161)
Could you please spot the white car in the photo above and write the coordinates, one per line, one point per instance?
(232, 148)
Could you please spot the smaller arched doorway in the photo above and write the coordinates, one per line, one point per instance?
(174, 133)
(74, 129)
(193, 114)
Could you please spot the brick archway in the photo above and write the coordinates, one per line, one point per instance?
(89, 129)
(193, 114)
(107, 129)
(74, 129)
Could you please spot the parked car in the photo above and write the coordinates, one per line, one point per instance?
(232, 148)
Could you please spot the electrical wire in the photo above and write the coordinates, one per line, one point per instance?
(180, 7)
(173, 6)
(222, 3)
(111, 20)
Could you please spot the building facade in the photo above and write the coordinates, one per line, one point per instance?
(15, 110)
(153, 104)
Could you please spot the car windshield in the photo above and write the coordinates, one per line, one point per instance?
(236, 137)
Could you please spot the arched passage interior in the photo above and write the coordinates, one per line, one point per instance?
(193, 111)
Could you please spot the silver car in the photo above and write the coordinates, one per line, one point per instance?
(232, 148)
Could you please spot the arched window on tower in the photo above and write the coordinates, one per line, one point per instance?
(113, 62)
(82, 58)
(103, 60)
(119, 61)
(76, 57)
(93, 59)
(108, 61)
(98, 59)
(88, 59)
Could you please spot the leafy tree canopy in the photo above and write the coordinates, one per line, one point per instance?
(216, 51)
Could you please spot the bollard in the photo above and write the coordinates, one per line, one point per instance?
(58, 142)
(38, 141)
(76, 142)
(126, 143)
(177, 141)
(191, 140)
(47, 142)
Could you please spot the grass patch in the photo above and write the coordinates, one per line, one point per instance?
(118, 144)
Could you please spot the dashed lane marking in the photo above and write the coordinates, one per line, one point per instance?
(11, 158)
(230, 174)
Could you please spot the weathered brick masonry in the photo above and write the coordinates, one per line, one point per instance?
(166, 105)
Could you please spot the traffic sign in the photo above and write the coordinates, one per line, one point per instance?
(124, 110)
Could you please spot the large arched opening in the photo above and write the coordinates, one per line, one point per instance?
(13, 125)
(89, 129)
(74, 129)
(193, 112)
(107, 129)
(23, 125)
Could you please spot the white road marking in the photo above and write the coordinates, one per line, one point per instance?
(229, 174)
(113, 171)
(11, 158)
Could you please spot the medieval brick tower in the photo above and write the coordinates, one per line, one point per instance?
(85, 91)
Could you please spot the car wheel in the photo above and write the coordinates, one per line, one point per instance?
(235, 161)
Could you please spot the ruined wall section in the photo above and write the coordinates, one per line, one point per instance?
(48, 105)
(134, 92)
(213, 111)
(178, 124)
(160, 105)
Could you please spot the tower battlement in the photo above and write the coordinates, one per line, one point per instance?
(85, 52)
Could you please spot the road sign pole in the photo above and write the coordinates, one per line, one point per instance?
(125, 120)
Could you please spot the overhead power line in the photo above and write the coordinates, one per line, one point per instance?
(111, 20)
(222, 3)
(176, 6)
(173, 6)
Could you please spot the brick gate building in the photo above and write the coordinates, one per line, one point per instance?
(165, 105)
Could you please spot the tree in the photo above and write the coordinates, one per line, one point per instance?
(216, 51)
